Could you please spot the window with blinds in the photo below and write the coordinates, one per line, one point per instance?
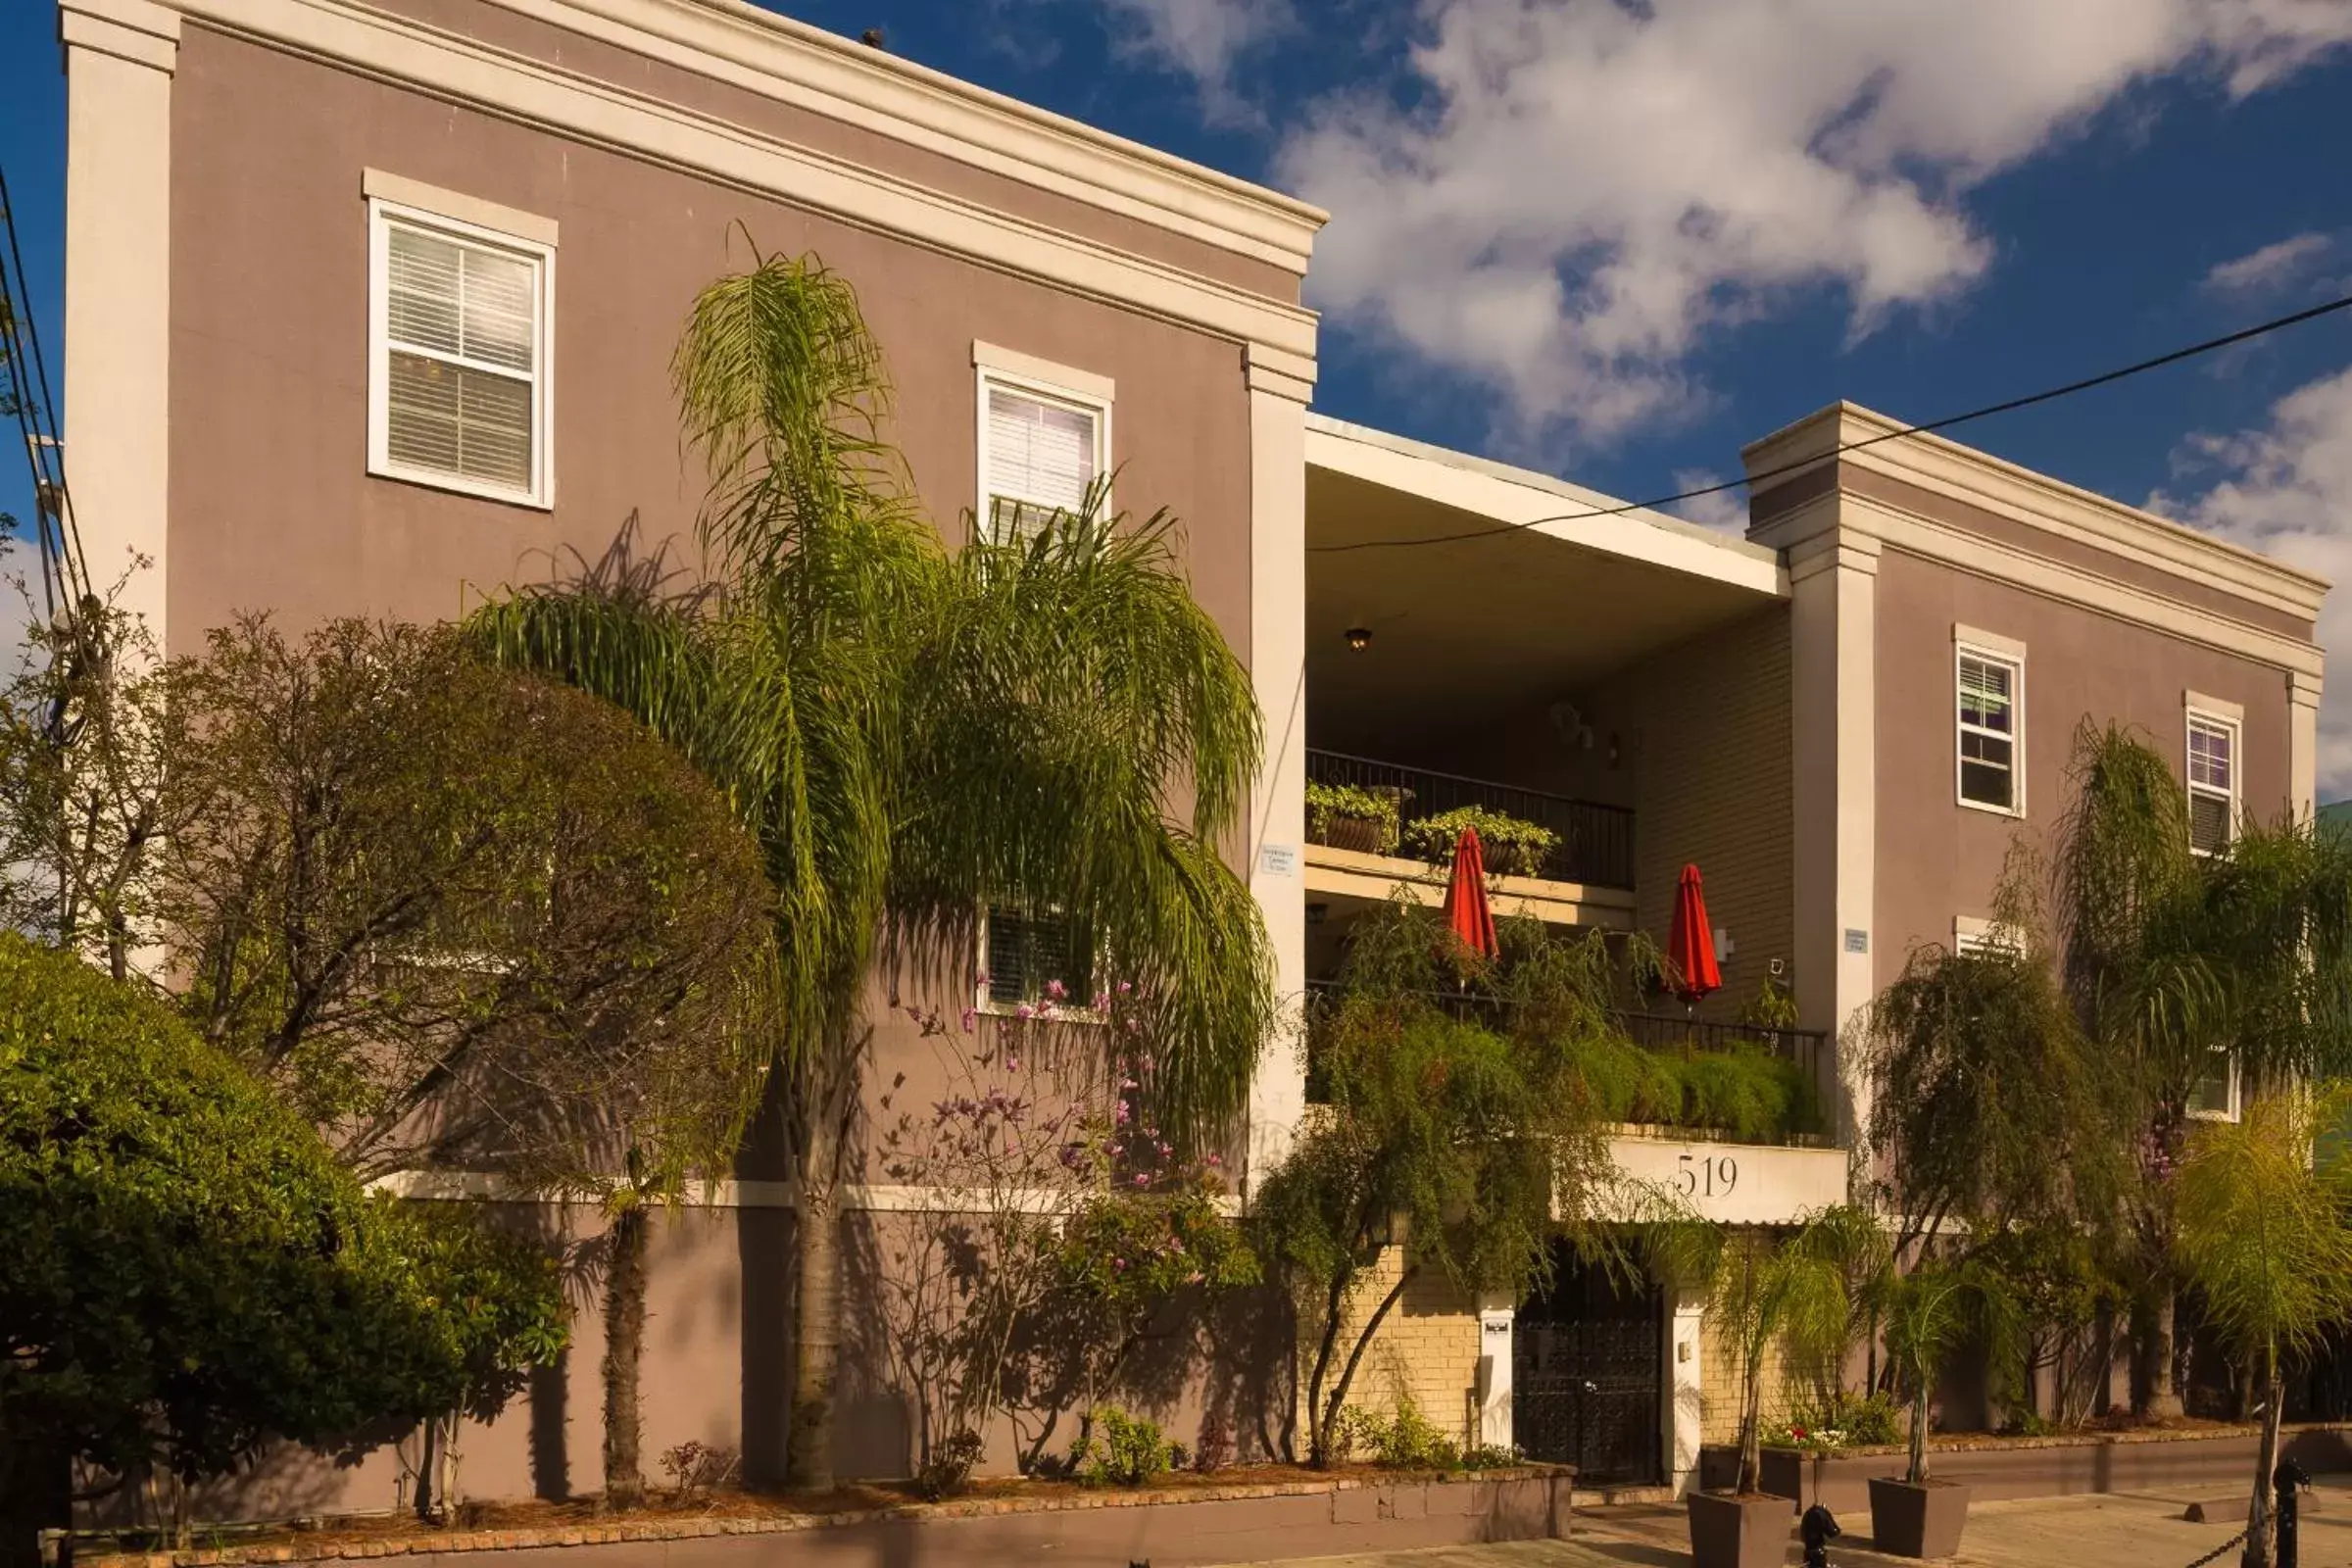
(2212, 782)
(2214, 1096)
(1024, 956)
(1039, 454)
(460, 344)
(1992, 687)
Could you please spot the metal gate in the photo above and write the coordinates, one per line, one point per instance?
(1587, 1375)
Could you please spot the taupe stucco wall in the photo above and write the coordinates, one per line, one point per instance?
(1937, 858)
(271, 501)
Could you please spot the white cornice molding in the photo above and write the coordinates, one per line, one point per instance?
(795, 63)
(2038, 501)
(1968, 552)
(140, 32)
(464, 70)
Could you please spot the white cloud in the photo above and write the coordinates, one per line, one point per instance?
(2271, 267)
(1568, 195)
(1723, 511)
(1202, 38)
(2286, 491)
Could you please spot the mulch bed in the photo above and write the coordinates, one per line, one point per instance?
(513, 1526)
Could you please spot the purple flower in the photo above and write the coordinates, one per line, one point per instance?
(967, 1020)
(1122, 1113)
(1101, 1001)
(1012, 1064)
(1124, 988)
(1056, 990)
(1024, 1010)
(1142, 1178)
(1119, 1263)
(1216, 1159)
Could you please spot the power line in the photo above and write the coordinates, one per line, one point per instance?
(1944, 424)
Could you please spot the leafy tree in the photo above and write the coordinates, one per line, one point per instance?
(464, 915)
(1931, 1313)
(185, 1273)
(2179, 966)
(1471, 1148)
(2264, 1234)
(914, 735)
(1765, 1288)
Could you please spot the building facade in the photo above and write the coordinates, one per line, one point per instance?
(369, 312)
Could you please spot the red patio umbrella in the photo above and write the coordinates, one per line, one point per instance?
(1466, 911)
(1692, 941)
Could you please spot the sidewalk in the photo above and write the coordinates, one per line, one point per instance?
(2113, 1529)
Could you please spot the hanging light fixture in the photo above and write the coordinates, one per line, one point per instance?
(1360, 638)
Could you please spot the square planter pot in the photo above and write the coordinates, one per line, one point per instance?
(1729, 1531)
(1917, 1520)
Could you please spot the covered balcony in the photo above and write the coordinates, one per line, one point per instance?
(1614, 683)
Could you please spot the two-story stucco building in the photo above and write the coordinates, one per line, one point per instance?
(368, 307)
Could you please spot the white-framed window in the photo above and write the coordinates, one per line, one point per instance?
(2215, 1096)
(460, 362)
(1989, 753)
(1034, 958)
(2211, 769)
(1973, 934)
(1044, 438)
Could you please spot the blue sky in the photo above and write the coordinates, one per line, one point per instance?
(1617, 243)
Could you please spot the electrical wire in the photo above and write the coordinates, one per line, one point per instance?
(1946, 422)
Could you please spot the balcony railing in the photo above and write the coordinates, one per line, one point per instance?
(1804, 1049)
(1596, 843)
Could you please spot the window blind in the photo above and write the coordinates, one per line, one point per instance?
(1042, 457)
(461, 336)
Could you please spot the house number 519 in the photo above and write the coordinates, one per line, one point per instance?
(1706, 1175)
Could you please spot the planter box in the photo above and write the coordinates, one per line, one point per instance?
(1363, 834)
(2065, 1465)
(1734, 1532)
(1917, 1520)
(1174, 1527)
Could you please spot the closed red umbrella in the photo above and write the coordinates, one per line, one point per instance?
(1691, 944)
(1466, 911)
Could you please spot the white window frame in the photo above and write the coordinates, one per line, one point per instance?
(2236, 1096)
(538, 246)
(1973, 934)
(1969, 642)
(2230, 719)
(1076, 1009)
(1042, 379)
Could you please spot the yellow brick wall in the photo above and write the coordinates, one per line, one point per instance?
(1712, 753)
(1426, 1347)
(1718, 1387)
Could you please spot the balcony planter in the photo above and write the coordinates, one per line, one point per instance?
(1512, 846)
(1732, 1531)
(1917, 1519)
(1347, 816)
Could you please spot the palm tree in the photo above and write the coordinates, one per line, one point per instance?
(2181, 967)
(2263, 1236)
(916, 735)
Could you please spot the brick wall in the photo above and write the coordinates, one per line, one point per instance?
(1426, 1348)
(1712, 747)
(1719, 1388)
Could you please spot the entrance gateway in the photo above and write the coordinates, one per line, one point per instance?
(1588, 1373)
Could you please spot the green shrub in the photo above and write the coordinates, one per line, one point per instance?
(1406, 1441)
(1512, 846)
(1745, 1093)
(1492, 1456)
(948, 1470)
(1325, 802)
(186, 1274)
(1845, 1421)
(1122, 1450)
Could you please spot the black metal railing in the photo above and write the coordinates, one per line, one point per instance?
(1596, 843)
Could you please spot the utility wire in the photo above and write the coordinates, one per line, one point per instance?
(1944, 424)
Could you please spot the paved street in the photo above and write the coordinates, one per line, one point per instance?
(2110, 1531)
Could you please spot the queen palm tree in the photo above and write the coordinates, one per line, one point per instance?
(1044, 719)
(2181, 967)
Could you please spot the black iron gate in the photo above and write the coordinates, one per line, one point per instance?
(1587, 1375)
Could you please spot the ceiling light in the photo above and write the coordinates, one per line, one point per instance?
(1360, 638)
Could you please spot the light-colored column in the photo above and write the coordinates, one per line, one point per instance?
(120, 57)
(1495, 1315)
(1833, 655)
(1685, 1391)
(1278, 669)
(2303, 742)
